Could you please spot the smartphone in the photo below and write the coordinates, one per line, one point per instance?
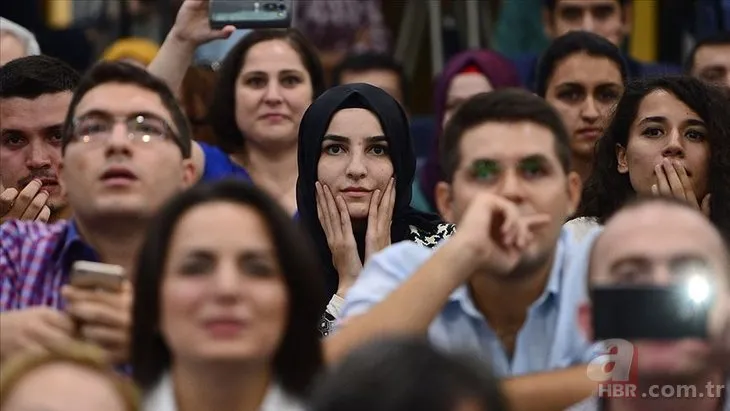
(250, 14)
(650, 312)
(97, 276)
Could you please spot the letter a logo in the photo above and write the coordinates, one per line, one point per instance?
(615, 363)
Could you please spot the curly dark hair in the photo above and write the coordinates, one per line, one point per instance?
(607, 190)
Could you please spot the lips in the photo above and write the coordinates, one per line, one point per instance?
(118, 175)
(224, 327)
(590, 133)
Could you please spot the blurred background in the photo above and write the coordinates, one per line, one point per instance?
(421, 34)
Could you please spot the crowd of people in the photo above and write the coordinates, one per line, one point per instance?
(289, 242)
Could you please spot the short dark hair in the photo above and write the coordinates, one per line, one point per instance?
(33, 76)
(550, 4)
(222, 113)
(606, 190)
(407, 374)
(361, 62)
(299, 355)
(124, 73)
(575, 42)
(718, 39)
(504, 105)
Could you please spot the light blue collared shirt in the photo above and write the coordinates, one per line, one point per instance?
(550, 338)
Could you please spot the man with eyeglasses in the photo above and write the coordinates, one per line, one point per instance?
(126, 150)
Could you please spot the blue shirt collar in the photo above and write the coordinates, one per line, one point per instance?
(74, 248)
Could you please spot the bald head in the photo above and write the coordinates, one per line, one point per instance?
(654, 241)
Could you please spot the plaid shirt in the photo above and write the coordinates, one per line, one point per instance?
(35, 261)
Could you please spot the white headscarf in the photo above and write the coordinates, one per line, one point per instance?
(24, 35)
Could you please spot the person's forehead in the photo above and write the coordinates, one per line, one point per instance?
(585, 69)
(586, 3)
(272, 55)
(122, 99)
(658, 232)
(712, 54)
(507, 141)
(47, 110)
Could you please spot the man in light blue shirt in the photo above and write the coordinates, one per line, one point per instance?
(508, 284)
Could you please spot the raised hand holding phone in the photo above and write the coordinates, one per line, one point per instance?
(192, 24)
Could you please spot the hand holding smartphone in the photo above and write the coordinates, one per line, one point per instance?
(250, 14)
(89, 275)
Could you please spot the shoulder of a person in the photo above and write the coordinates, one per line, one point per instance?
(212, 153)
(277, 399)
(30, 231)
(582, 229)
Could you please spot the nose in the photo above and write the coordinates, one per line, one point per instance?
(225, 282)
(40, 155)
(674, 147)
(590, 110)
(118, 141)
(511, 187)
(662, 275)
(273, 93)
(588, 23)
(356, 168)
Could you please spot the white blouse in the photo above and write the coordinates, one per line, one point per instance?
(162, 398)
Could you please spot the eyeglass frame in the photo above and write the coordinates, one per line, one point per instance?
(169, 132)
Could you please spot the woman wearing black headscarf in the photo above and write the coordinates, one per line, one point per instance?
(356, 166)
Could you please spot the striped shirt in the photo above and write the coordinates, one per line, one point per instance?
(35, 262)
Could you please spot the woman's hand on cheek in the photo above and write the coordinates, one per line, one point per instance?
(380, 217)
(335, 220)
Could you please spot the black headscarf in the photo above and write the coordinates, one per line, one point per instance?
(395, 126)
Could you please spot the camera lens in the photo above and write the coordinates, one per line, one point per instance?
(270, 7)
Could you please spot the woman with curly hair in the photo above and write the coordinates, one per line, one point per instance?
(669, 136)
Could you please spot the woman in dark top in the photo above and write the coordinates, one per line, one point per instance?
(356, 167)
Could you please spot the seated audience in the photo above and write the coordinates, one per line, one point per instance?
(664, 242)
(611, 19)
(582, 75)
(465, 75)
(132, 50)
(398, 375)
(265, 84)
(668, 136)
(35, 93)
(225, 321)
(356, 166)
(72, 378)
(379, 69)
(506, 286)
(710, 60)
(16, 42)
(126, 150)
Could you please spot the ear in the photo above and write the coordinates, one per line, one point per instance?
(444, 201)
(623, 164)
(62, 179)
(548, 23)
(585, 320)
(189, 173)
(628, 18)
(575, 189)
